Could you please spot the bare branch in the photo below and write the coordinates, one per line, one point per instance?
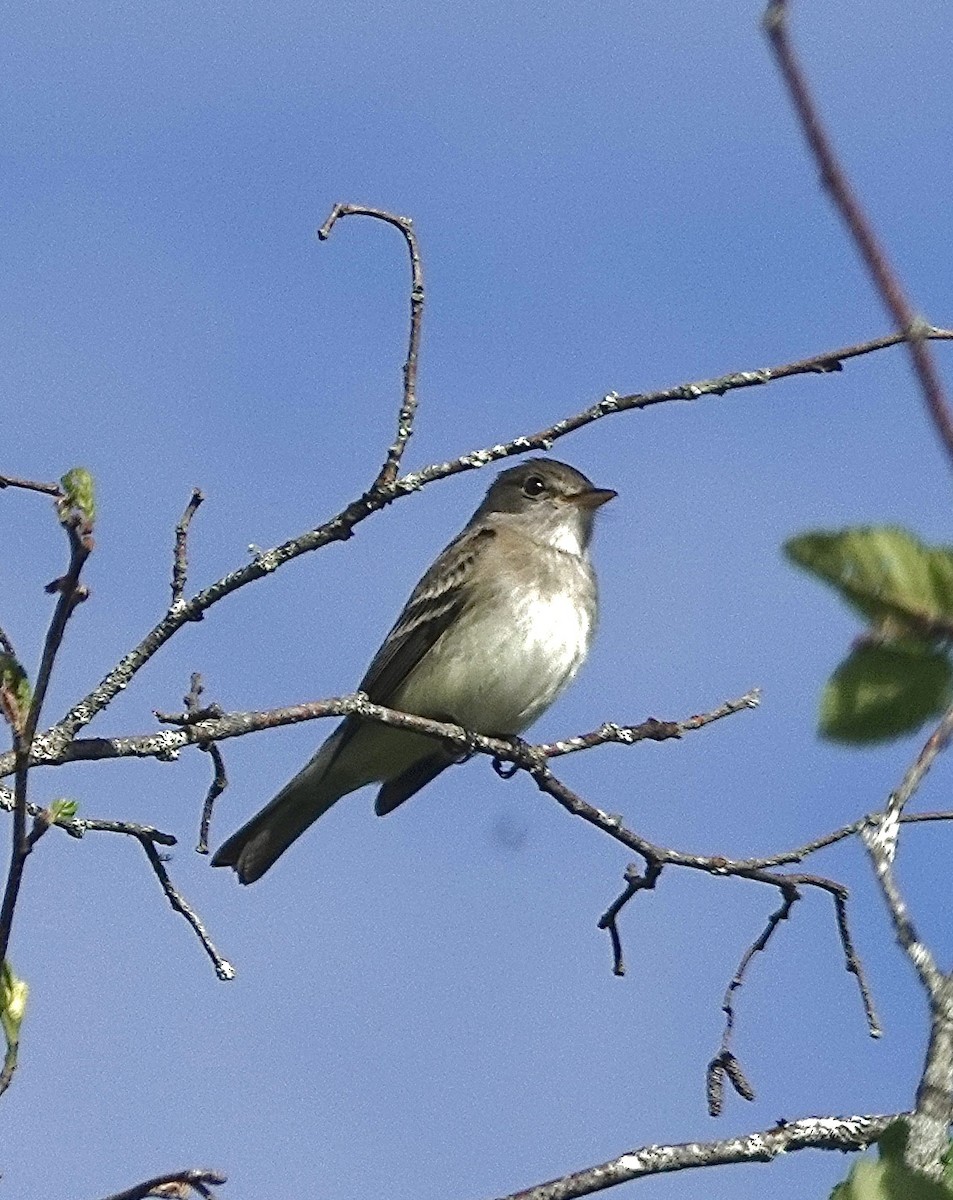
(341, 526)
(811, 1133)
(834, 178)
(193, 1180)
(194, 712)
(180, 564)
(887, 829)
(854, 966)
(930, 1122)
(215, 788)
(408, 408)
(636, 881)
(69, 595)
(30, 485)
(78, 827)
(223, 968)
(724, 1059)
(930, 975)
(819, 364)
(716, 865)
(879, 835)
(203, 729)
(649, 730)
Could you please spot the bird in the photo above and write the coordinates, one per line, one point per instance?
(491, 635)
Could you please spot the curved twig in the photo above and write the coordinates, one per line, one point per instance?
(408, 407)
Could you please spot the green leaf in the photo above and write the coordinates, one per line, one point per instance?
(63, 810)
(79, 493)
(13, 998)
(885, 573)
(884, 691)
(14, 679)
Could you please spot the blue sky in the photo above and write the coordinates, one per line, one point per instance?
(610, 197)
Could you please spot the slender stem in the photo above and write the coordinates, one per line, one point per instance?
(408, 408)
(30, 485)
(68, 596)
(913, 328)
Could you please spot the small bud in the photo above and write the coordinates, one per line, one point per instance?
(16, 687)
(79, 494)
(63, 810)
(13, 998)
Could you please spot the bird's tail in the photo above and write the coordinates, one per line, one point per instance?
(262, 840)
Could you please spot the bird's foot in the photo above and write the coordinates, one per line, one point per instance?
(507, 768)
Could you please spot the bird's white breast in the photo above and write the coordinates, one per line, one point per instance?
(500, 666)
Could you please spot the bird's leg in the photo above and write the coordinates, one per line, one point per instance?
(522, 750)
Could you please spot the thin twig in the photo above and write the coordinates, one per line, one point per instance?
(69, 595)
(811, 1133)
(30, 485)
(609, 405)
(212, 725)
(920, 956)
(834, 179)
(879, 834)
(635, 881)
(196, 1179)
(341, 526)
(854, 966)
(723, 1061)
(216, 787)
(408, 408)
(715, 865)
(78, 827)
(223, 968)
(195, 712)
(9, 1066)
(887, 829)
(785, 857)
(649, 730)
(180, 563)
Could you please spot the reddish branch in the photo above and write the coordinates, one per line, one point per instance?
(913, 328)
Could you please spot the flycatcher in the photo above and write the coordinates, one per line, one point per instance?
(491, 635)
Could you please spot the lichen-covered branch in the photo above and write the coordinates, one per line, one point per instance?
(810, 1133)
(342, 525)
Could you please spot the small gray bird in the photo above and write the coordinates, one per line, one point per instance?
(491, 635)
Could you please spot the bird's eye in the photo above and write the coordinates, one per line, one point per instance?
(534, 486)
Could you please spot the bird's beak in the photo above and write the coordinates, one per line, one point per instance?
(592, 498)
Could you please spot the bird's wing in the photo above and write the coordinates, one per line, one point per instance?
(437, 600)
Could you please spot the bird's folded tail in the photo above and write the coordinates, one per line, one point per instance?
(262, 840)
